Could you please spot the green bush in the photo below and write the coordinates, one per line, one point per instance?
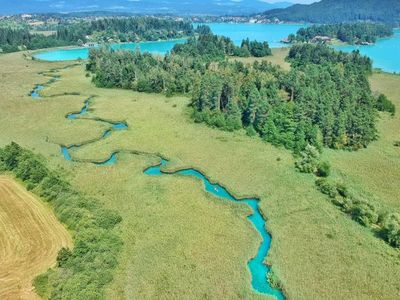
(250, 131)
(41, 284)
(342, 190)
(324, 169)
(326, 187)
(274, 281)
(390, 229)
(309, 160)
(384, 104)
(63, 256)
(364, 212)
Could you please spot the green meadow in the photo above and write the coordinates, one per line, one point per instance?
(178, 240)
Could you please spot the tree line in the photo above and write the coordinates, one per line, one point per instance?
(84, 271)
(325, 100)
(134, 29)
(16, 39)
(174, 73)
(352, 33)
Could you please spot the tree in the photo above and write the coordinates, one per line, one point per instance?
(391, 229)
(309, 160)
(63, 257)
(324, 169)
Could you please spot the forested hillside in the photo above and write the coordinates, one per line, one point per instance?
(338, 11)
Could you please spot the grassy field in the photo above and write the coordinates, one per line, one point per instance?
(178, 241)
(277, 58)
(375, 171)
(30, 238)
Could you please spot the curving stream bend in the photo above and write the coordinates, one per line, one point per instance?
(259, 271)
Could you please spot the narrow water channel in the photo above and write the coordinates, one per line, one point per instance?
(259, 271)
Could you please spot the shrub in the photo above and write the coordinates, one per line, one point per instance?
(342, 190)
(364, 212)
(10, 155)
(274, 281)
(324, 169)
(250, 131)
(384, 104)
(390, 230)
(326, 187)
(309, 160)
(41, 283)
(63, 256)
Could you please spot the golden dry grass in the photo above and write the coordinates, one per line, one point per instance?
(30, 238)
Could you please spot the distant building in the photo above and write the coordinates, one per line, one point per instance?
(89, 45)
(321, 39)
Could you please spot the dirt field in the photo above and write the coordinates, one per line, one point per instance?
(30, 238)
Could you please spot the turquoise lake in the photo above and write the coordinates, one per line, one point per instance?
(159, 47)
(272, 33)
(385, 53)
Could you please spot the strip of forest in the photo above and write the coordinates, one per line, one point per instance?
(83, 271)
(351, 33)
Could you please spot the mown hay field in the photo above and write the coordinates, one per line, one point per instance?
(30, 238)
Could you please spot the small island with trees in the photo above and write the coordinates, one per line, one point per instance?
(360, 33)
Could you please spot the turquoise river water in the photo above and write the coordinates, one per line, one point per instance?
(259, 271)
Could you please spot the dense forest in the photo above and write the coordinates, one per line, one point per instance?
(173, 74)
(16, 39)
(324, 100)
(132, 29)
(339, 11)
(100, 31)
(354, 33)
(81, 272)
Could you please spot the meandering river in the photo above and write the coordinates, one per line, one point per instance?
(258, 269)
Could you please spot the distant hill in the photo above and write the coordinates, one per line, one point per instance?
(176, 7)
(336, 11)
